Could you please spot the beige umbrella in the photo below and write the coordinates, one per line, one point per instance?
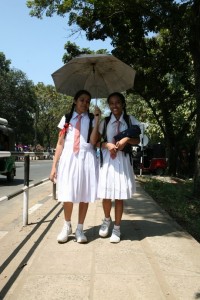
(100, 74)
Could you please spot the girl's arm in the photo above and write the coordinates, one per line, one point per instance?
(105, 145)
(95, 136)
(122, 143)
(133, 141)
(59, 149)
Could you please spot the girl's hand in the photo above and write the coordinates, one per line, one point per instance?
(122, 143)
(112, 148)
(53, 175)
(97, 113)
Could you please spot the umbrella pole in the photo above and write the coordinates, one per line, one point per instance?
(93, 70)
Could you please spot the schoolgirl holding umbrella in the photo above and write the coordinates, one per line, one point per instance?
(75, 160)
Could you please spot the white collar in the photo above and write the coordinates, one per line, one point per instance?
(75, 114)
(121, 119)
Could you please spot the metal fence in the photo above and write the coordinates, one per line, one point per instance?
(26, 156)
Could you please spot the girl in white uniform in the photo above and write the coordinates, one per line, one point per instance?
(77, 170)
(116, 176)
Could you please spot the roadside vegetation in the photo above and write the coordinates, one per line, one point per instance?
(147, 35)
(175, 197)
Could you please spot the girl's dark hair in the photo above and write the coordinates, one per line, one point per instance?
(122, 99)
(78, 94)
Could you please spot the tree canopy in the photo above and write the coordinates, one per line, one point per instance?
(132, 26)
(17, 100)
(51, 106)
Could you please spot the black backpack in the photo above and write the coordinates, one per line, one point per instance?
(91, 117)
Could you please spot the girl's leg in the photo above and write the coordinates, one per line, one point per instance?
(115, 237)
(83, 207)
(107, 205)
(68, 207)
(80, 236)
(119, 206)
(67, 228)
(104, 229)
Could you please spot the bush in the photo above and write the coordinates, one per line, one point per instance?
(176, 198)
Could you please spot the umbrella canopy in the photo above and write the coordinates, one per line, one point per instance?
(99, 74)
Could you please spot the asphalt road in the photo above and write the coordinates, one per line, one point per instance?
(39, 170)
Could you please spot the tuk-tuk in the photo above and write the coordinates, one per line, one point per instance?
(7, 143)
(151, 160)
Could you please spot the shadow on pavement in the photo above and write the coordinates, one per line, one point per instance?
(23, 263)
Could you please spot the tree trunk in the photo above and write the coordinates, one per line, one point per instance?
(172, 154)
(196, 189)
(195, 50)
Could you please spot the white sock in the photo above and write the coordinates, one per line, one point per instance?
(80, 227)
(67, 223)
(117, 227)
(107, 219)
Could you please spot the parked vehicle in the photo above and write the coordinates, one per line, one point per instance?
(7, 143)
(151, 160)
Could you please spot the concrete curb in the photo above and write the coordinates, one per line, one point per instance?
(23, 189)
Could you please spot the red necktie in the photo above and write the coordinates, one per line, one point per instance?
(117, 126)
(76, 146)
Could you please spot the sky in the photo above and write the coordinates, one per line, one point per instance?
(36, 46)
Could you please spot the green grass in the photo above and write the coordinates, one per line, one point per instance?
(176, 198)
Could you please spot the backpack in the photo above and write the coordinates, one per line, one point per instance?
(91, 117)
(127, 148)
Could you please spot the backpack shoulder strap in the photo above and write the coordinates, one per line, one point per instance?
(91, 117)
(127, 120)
(104, 137)
(66, 117)
(106, 121)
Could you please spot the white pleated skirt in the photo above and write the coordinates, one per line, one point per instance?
(77, 176)
(116, 177)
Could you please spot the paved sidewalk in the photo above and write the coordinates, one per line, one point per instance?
(155, 260)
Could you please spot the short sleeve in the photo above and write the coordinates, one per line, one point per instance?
(134, 121)
(61, 123)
